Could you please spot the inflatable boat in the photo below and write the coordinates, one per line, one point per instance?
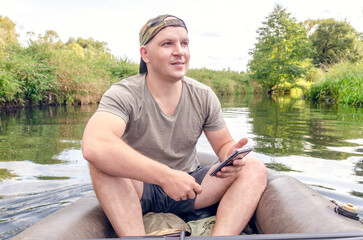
(288, 209)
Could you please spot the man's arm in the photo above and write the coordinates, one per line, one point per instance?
(223, 145)
(103, 147)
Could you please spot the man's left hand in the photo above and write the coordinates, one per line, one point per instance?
(238, 163)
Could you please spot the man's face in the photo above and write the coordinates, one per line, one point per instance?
(168, 53)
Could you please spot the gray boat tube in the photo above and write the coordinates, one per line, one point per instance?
(288, 208)
(83, 219)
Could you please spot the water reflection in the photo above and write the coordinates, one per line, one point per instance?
(42, 168)
(37, 134)
(285, 126)
(278, 127)
(319, 145)
(41, 165)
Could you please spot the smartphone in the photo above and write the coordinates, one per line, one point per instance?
(238, 154)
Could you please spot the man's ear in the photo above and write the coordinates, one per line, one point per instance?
(144, 54)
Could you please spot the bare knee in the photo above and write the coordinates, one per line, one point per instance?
(257, 169)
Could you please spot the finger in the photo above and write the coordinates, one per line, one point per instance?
(228, 169)
(239, 162)
(238, 144)
(231, 169)
(241, 142)
(191, 195)
(197, 188)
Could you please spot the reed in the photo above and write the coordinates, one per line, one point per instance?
(342, 83)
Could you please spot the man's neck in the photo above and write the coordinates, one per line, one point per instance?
(166, 93)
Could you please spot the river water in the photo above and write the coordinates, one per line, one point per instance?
(42, 168)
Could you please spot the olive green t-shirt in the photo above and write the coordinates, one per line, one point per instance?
(168, 139)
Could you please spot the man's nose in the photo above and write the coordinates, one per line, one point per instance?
(178, 49)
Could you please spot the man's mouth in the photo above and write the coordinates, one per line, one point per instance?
(178, 63)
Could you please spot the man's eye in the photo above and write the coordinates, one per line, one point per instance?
(166, 43)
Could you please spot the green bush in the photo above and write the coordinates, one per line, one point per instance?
(57, 73)
(24, 78)
(343, 83)
(223, 83)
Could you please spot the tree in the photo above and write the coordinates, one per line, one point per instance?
(335, 41)
(50, 36)
(282, 52)
(7, 31)
(89, 44)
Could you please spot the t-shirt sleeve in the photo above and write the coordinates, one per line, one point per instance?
(116, 100)
(214, 119)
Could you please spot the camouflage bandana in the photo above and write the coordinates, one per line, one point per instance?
(152, 27)
(155, 25)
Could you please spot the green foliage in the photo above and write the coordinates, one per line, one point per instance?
(335, 41)
(89, 44)
(24, 77)
(314, 73)
(223, 83)
(48, 71)
(282, 52)
(343, 83)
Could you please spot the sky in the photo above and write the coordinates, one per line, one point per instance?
(221, 32)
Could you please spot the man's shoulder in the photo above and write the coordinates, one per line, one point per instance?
(132, 81)
(128, 88)
(192, 83)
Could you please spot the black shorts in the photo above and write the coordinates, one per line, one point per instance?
(154, 199)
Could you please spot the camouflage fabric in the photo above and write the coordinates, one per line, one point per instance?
(155, 25)
(202, 227)
(168, 224)
(159, 224)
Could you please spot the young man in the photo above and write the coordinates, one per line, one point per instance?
(141, 142)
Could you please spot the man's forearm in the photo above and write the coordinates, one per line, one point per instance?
(114, 157)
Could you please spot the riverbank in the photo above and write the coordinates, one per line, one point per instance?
(73, 73)
(54, 73)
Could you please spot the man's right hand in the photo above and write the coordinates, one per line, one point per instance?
(180, 185)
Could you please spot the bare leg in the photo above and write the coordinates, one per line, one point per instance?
(238, 197)
(119, 198)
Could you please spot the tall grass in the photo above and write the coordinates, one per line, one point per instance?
(224, 83)
(343, 83)
(57, 73)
